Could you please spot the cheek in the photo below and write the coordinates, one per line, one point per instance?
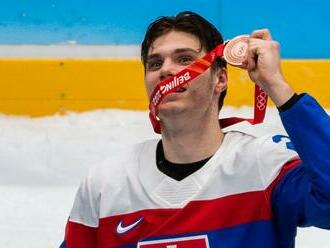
(203, 84)
(150, 80)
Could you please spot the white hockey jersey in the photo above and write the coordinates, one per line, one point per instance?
(128, 202)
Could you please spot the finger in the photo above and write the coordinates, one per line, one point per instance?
(263, 34)
(263, 45)
(251, 58)
(252, 53)
(255, 42)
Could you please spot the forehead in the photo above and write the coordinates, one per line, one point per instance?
(174, 40)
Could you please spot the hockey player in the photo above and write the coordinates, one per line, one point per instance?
(198, 186)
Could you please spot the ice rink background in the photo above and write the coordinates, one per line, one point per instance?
(42, 161)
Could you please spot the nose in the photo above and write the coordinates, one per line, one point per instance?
(167, 70)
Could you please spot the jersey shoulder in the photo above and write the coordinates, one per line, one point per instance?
(274, 151)
(106, 187)
(121, 164)
(266, 152)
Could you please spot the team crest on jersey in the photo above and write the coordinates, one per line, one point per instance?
(200, 241)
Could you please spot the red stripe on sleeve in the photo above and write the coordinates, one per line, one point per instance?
(80, 236)
(285, 169)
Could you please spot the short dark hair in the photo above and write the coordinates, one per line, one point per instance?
(188, 22)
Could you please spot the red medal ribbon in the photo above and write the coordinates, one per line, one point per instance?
(180, 79)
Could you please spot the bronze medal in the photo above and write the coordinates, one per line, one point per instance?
(235, 51)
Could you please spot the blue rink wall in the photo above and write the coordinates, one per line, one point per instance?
(302, 26)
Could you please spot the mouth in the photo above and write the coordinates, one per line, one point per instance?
(180, 90)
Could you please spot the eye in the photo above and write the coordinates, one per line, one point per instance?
(185, 60)
(154, 65)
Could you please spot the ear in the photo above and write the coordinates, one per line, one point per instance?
(221, 80)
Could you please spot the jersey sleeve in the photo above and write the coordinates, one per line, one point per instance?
(302, 195)
(308, 126)
(82, 226)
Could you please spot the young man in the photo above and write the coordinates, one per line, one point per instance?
(199, 186)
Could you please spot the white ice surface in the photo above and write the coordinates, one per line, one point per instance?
(43, 160)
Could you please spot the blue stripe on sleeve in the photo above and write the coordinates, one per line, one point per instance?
(302, 197)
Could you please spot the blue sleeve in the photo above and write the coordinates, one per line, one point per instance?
(302, 197)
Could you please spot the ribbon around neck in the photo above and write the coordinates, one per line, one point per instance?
(183, 77)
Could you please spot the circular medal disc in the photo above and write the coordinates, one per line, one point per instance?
(235, 51)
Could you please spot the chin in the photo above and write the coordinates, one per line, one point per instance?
(170, 108)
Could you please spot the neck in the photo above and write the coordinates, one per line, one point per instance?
(192, 140)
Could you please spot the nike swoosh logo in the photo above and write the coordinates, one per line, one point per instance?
(123, 229)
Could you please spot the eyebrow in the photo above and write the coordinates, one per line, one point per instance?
(176, 51)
